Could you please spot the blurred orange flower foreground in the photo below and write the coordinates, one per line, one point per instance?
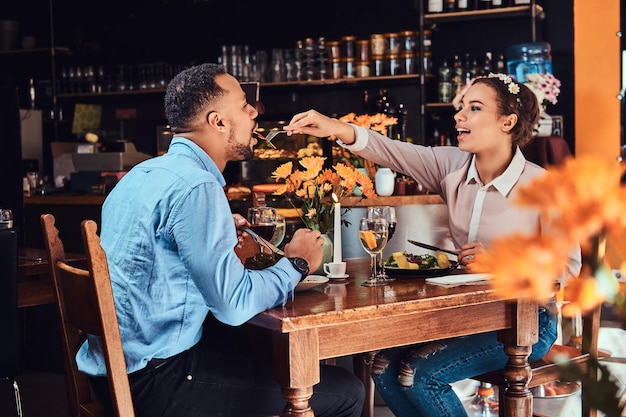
(583, 202)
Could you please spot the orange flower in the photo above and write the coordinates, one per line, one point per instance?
(522, 265)
(314, 185)
(580, 201)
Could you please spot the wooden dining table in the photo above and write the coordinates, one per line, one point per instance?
(34, 283)
(342, 317)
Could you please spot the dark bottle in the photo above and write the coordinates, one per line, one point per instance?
(500, 66)
(403, 118)
(487, 66)
(445, 82)
(450, 6)
(457, 75)
(484, 4)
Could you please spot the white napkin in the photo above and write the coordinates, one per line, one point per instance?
(458, 279)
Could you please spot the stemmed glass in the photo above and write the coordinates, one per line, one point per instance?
(388, 213)
(279, 230)
(373, 237)
(262, 222)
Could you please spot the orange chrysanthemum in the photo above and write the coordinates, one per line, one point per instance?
(314, 185)
(580, 201)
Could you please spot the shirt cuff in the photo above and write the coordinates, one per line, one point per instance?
(361, 139)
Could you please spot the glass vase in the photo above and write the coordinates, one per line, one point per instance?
(327, 247)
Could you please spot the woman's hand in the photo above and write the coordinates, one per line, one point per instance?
(314, 123)
(468, 251)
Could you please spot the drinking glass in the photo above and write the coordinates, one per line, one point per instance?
(373, 237)
(279, 231)
(388, 213)
(262, 221)
(6, 219)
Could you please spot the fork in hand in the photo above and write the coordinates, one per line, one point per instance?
(269, 137)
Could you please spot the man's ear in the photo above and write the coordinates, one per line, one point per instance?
(215, 120)
(509, 122)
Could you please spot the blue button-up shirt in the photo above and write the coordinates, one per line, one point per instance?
(169, 236)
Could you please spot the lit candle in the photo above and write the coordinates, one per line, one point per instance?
(337, 231)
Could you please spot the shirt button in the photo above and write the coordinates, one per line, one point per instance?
(189, 377)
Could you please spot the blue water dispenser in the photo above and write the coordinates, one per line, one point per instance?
(528, 58)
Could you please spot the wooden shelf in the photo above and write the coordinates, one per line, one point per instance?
(299, 84)
(515, 11)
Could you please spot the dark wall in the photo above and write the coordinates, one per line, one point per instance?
(11, 193)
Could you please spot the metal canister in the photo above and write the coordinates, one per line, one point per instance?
(334, 49)
(349, 68)
(363, 69)
(336, 68)
(409, 41)
(377, 44)
(409, 62)
(393, 61)
(363, 50)
(348, 46)
(392, 41)
(379, 66)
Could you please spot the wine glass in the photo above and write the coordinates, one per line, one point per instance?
(262, 221)
(373, 238)
(388, 213)
(279, 231)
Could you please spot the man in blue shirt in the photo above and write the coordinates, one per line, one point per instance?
(178, 284)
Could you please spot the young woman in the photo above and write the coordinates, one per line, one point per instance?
(478, 181)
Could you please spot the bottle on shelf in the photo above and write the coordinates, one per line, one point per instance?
(457, 75)
(435, 6)
(445, 82)
(497, 4)
(487, 65)
(464, 5)
(450, 6)
(500, 64)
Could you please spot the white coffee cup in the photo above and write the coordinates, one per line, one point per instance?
(335, 269)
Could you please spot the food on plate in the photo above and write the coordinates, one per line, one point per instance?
(405, 260)
(443, 260)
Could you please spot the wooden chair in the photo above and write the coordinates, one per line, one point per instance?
(547, 370)
(85, 306)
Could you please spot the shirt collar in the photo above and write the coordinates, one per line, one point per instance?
(183, 145)
(505, 181)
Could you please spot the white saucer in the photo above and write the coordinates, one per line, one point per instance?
(310, 282)
(344, 276)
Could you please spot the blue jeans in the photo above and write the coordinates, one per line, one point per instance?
(415, 380)
(220, 378)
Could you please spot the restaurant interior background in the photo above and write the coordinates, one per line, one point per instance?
(127, 34)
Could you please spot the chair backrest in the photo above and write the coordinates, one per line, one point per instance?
(86, 306)
(9, 342)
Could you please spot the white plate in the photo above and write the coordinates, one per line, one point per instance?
(311, 281)
(458, 279)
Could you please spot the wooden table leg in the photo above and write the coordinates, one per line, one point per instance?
(517, 373)
(297, 369)
(518, 341)
(297, 402)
